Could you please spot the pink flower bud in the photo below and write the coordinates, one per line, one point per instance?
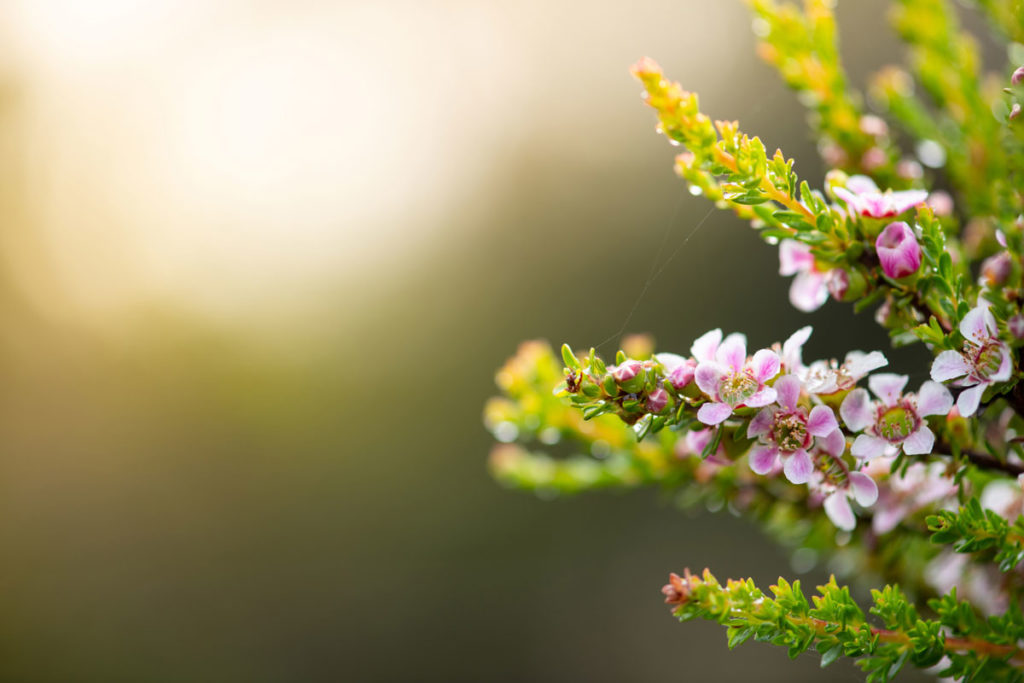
(940, 202)
(1018, 76)
(838, 283)
(898, 250)
(872, 125)
(996, 269)
(682, 374)
(626, 371)
(873, 158)
(657, 400)
(1014, 111)
(1016, 325)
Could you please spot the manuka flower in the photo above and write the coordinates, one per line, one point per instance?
(678, 370)
(729, 378)
(824, 378)
(898, 250)
(894, 421)
(862, 197)
(919, 486)
(984, 359)
(809, 289)
(858, 486)
(786, 429)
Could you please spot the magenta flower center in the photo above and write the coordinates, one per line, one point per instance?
(789, 431)
(737, 387)
(896, 423)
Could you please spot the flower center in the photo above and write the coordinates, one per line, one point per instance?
(896, 423)
(789, 431)
(987, 359)
(737, 387)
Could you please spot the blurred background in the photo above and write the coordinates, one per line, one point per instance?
(258, 264)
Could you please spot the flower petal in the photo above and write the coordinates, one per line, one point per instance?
(949, 365)
(822, 421)
(765, 365)
(979, 323)
(838, 509)
(733, 351)
(861, 184)
(833, 443)
(864, 488)
(761, 398)
(762, 458)
(808, 291)
(704, 348)
(794, 257)
(856, 410)
(868, 447)
(1005, 365)
(887, 386)
(670, 361)
(788, 389)
(792, 349)
(714, 413)
(904, 199)
(968, 400)
(798, 467)
(919, 442)
(708, 377)
(858, 363)
(761, 423)
(933, 399)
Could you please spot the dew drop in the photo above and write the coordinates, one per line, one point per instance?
(696, 191)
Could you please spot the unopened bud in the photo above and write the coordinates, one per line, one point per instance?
(629, 375)
(940, 202)
(1018, 76)
(1016, 325)
(996, 269)
(1014, 111)
(657, 400)
(682, 374)
(872, 125)
(846, 285)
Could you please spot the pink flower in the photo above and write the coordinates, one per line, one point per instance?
(787, 429)
(901, 495)
(679, 371)
(729, 378)
(857, 486)
(898, 250)
(810, 288)
(1017, 77)
(862, 197)
(984, 360)
(894, 421)
(824, 378)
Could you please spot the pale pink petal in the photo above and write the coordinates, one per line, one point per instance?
(1001, 238)
(919, 442)
(887, 386)
(905, 199)
(898, 250)
(833, 443)
(979, 323)
(670, 361)
(761, 423)
(856, 410)
(794, 257)
(733, 351)
(851, 200)
(865, 490)
(868, 447)
(968, 400)
(838, 509)
(792, 349)
(822, 421)
(887, 517)
(933, 399)
(708, 377)
(861, 184)
(765, 365)
(714, 413)
(788, 389)
(948, 365)
(858, 364)
(761, 398)
(762, 458)
(798, 467)
(808, 291)
(1005, 365)
(706, 345)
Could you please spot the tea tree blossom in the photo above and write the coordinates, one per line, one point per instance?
(732, 380)
(858, 486)
(983, 361)
(896, 420)
(826, 378)
(787, 429)
(898, 250)
(809, 289)
(863, 198)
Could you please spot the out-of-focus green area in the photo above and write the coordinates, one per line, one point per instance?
(258, 266)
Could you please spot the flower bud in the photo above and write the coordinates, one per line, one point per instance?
(996, 269)
(898, 251)
(873, 158)
(629, 375)
(682, 374)
(1018, 76)
(657, 400)
(1015, 111)
(1016, 325)
(940, 202)
(846, 285)
(909, 169)
(872, 125)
